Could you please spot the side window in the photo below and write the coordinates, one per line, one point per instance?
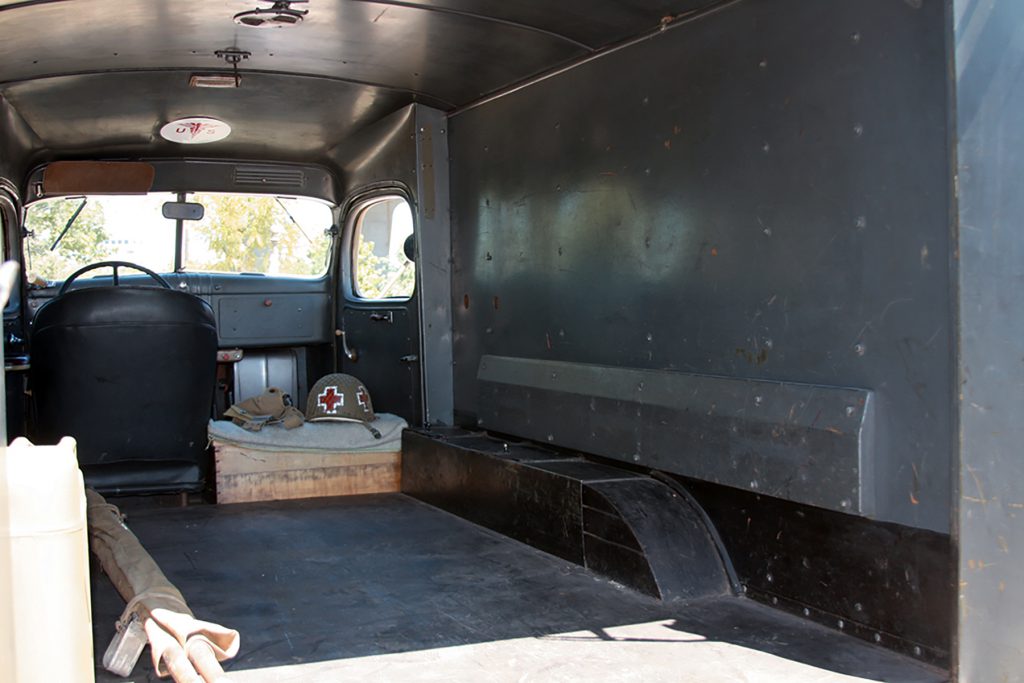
(382, 243)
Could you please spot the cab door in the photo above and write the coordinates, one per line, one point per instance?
(379, 327)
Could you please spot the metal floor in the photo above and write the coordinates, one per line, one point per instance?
(387, 588)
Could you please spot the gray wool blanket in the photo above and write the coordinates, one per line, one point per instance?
(315, 437)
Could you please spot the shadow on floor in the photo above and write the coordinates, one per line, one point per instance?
(336, 579)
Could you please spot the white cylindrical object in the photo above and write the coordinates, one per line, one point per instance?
(44, 549)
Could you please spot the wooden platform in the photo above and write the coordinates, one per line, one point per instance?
(248, 475)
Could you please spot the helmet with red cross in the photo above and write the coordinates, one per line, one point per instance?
(339, 397)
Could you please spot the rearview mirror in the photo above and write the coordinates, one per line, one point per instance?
(184, 211)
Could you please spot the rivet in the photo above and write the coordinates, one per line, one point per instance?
(807, 612)
(650, 336)
(850, 410)
(758, 400)
(859, 349)
(878, 637)
(551, 437)
(766, 148)
(769, 577)
(841, 624)
(859, 607)
(917, 650)
(775, 600)
(855, 37)
(763, 64)
(858, 129)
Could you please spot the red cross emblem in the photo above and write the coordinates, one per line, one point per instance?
(363, 398)
(329, 399)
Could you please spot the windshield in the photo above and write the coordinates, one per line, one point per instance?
(122, 228)
(238, 234)
(253, 234)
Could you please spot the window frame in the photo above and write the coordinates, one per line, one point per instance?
(353, 212)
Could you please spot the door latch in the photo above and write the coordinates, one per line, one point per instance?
(383, 317)
(411, 358)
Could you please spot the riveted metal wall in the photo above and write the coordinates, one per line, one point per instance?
(759, 194)
(989, 39)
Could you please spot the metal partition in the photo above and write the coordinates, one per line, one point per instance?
(760, 194)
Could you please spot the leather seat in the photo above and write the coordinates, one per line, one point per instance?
(129, 372)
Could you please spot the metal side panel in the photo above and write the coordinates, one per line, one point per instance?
(801, 442)
(271, 318)
(762, 193)
(259, 370)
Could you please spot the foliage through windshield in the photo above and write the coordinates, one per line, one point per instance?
(275, 235)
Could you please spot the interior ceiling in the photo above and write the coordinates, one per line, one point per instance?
(99, 77)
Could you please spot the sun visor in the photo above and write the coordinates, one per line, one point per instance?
(97, 177)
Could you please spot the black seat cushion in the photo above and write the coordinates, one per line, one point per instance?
(129, 372)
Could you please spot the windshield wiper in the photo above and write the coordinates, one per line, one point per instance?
(71, 221)
(292, 218)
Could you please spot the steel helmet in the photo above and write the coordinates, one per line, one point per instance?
(339, 397)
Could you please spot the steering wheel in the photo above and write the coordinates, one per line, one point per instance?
(115, 265)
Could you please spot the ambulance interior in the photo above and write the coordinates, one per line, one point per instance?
(608, 340)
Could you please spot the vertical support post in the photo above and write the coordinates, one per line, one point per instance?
(434, 255)
(988, 36)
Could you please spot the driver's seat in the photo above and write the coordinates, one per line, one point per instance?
(129, 372)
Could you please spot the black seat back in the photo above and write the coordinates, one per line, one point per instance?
(129, 372)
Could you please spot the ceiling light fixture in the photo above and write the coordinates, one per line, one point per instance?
(280, 15)
(214, 80)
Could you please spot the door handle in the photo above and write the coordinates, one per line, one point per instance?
(411, 358)
(350, 353)
(385, 317)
